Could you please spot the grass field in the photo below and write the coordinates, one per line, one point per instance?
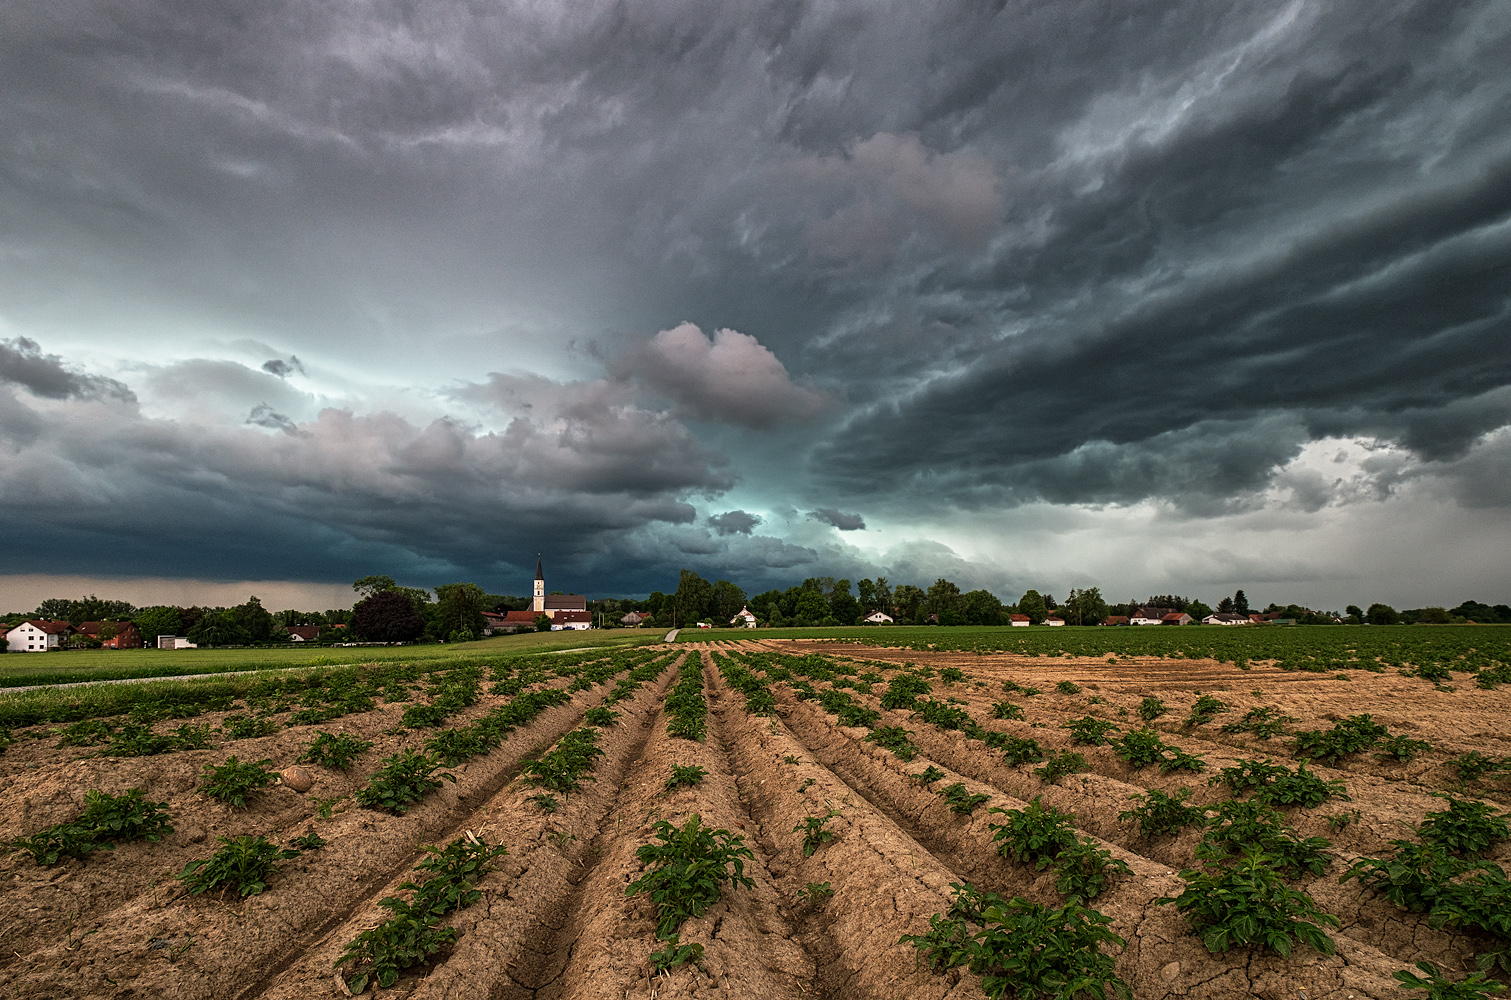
(74, 666)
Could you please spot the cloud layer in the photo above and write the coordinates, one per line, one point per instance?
(318, 287)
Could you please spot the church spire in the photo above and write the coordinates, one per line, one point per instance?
(539, 575)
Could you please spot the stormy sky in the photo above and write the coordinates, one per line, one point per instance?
(1148, 296)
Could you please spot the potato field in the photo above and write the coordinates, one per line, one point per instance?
(770, 818)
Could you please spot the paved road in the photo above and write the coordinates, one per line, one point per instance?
(672, 635)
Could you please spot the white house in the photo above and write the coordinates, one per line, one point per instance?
(175, 642)
(1225, 619)
(745, 619)
(37, 636)
(878, 618)
(566, 620)
(1054, 621)
(1148, 616)
(1178, 618)
(1022, 621)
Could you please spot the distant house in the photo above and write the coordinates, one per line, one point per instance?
(517, 621)
(745, 619)
(635, 619)
(1177, 618)
(1223, 618)
(1054, 621)
(175, 642)
(303, 633)
(566, 620)
(877, 618)
(1115, 620)
(1149, 616)
(113, 635)
(37, 636)
(1020, 620)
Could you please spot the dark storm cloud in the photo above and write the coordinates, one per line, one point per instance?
(23, 363)
(734, 522)
(838, 519)
(344, 488)
(954, 255)
(282, 368)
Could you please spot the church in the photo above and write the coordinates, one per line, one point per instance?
(566, 611)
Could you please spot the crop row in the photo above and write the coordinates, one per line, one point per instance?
(1236, 894)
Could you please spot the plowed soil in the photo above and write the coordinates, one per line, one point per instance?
(554, 921)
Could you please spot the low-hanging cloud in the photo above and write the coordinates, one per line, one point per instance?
(284, 368)
(23, 363)
(730, 378)
(734, 522)
(838, 519)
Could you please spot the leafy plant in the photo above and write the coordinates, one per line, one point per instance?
(243, 863)
(600, 717)
(1086, 869)
(1240, 826)
(1006, 710)
(814, 831)
(403, 780)
(234, 781)
(928, 776)
(1033, 834)
(311, 841)
(672, 954)
(687, 869)
(84, 733)
(565, 766)
(1151, 708)
(1439, 987)
(815, 891)
(1402, 749)
(1262, 722)
(1342, 820)
(1353, 735)
(951, 675)
(1465, 827)
(1089, 730)
(337, 750)
(942, 714)
(241, 727)
(903, 691)
(1204, 710)
(1474, 765)
(452, 874)
(1068, 687)
(1180, 760)
(1060, 764)
(960, 800)
(895, 739)
(688, 775)
(1024, 948)
(1249, 904)
(545, 801)
(1158, 813)
(406, 939)
(106, 819)
(1140, 747)
(1016, 750)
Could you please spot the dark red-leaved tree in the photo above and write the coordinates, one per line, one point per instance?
(387, 616)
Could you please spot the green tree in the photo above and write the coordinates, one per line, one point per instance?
(55, 609)
(1198, 610)
(542, 623)
(253, 619)
(218, 628)
(908, 600)
(1032, 604)
(942, 597)
(370, 585)
(459, 608)
(811, 608)
(1225, 606)
(842, 607)
(1240, 603)
(387, 616)
(979, 607)
(1381, 614)
(153, 622)
(1085, 607)
(694, 598)
(728, 599)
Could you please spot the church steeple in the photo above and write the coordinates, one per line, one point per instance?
(540, 587)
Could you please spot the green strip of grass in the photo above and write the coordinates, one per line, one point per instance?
(76, 666)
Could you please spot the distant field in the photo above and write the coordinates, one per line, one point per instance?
(25, 669)
(1309, 647)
